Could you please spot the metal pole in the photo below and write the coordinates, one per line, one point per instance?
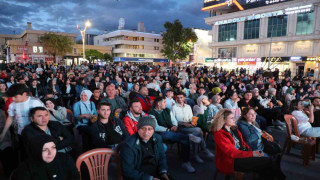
(270, 47)
(83, 33)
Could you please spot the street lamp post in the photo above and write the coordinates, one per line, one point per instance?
(83, 34)
(269, 59)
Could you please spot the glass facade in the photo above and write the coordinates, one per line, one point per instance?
(277, 26)
(251, 29)
(227, 32)
(305, 23)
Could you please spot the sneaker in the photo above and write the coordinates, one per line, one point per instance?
(194, 139)
(188, 167)
(278, 123)
(198, 159)
(208, 153)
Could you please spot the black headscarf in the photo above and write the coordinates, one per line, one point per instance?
(35, 146)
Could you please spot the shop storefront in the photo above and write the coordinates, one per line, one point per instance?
(281, 63)
(312, 66)
(225, 63)
(142, 60)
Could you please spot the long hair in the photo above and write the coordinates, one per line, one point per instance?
(293, 105)
(220, 119)
(244, 112)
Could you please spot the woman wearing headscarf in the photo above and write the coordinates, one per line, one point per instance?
(214, 107)
(84, 109)
(201, 111)
(44, 163)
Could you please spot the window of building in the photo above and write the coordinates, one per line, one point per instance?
(156, 40)
(98, 41)
(277, 26)
(227, 52)
(227, 32)
(251, 29)
(305, 23)
(74, 51)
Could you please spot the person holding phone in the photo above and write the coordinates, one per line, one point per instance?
(304, 118)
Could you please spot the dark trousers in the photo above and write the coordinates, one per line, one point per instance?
(181, 138)
(9, 160)
(264, 166)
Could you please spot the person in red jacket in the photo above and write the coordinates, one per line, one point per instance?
(132, 117)
(233, 154)
(144, 99)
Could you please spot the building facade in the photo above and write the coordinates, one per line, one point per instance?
(201, 50)
(132, 44)
(283, 34)
(26, 47)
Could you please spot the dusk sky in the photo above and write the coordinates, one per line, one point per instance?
(64, 15)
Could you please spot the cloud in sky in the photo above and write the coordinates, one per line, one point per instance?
(64, 15)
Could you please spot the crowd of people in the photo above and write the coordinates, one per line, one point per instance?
(138, 109)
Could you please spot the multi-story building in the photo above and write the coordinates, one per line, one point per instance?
(27, 47)
(132, 45)
(90, 39)
(283, 34)
(201, 50)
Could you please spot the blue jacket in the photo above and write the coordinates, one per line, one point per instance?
(77, 111)
(131, 157)
(250, 135)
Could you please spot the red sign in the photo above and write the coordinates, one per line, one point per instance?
(248, 61)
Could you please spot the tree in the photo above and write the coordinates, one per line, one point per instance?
(107, 57)
(92, 54)
(177, 41)
(79, 41)
(56, 45)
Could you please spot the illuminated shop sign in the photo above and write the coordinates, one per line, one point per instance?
(218, 60)
(293, 10)
(240, 4)
(296, 58)
(275, 59)
(248, 61)
(316, 58)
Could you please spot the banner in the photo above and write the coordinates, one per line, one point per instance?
(248, 61)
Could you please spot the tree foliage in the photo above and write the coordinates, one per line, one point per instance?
(177, 41)
(56, 45)
(107, 57)
(92, 54)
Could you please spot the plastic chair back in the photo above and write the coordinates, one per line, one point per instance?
(97, 161)
(287, 119)
(70, 115)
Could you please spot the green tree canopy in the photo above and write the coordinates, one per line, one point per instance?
(56, 45)
(107, 57)
(92, 54)
(177, 41)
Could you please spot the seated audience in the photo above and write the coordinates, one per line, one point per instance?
(107, 131)
(167, 127)
(304, 120)
(39, 117)
(132, 117)
(183, 114)
(234, 154)
(57, 113)
(142, 154)
(45, 163)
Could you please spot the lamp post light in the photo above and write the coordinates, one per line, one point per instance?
(83, 34)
